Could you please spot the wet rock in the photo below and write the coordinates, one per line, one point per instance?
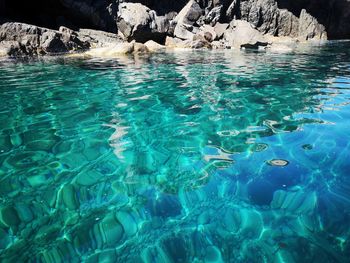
(309, 28)
(138, 22)
(140, 48)
(109, 255)
(111, 230)
(9, 216)
(278, 162)
(241, 34)
(4, 239)
(295, 202)
(307, 147)
(68, 197)
(165, 206)
(213, 254)
(128, 221)
(24, 213)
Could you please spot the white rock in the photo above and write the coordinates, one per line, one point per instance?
(154, 46)
(112, 51)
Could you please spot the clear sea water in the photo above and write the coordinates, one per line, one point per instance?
(197, 156)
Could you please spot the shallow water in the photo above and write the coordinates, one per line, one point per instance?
(191, 156)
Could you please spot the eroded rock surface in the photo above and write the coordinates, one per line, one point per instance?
(23, 39)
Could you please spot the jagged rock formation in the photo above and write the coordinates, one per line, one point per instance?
(23, 39)
(190, 23)
(18, 39)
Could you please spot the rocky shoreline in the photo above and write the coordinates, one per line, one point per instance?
(213, 24)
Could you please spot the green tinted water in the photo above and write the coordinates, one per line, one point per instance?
(178, 157)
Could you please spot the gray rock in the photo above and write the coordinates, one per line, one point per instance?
(137, 22)
(262, 14)
(186, 20)
(23, 39)
(98, 38)
(309, 28)
(242, 34)
(288, 24)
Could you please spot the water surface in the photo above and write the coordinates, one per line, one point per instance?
(194, 156)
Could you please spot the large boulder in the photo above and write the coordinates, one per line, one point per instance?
(185, 21)
(23, 39)
(137, 22)
(241, 34)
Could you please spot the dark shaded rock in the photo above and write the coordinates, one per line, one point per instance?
(23, 39)
(99, 14)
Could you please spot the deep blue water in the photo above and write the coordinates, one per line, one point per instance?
(197, 156)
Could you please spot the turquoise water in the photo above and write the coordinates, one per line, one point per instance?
(198, 156)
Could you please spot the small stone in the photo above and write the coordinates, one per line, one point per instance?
(307, 147)
(278, 162)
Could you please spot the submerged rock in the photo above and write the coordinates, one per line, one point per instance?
(278, 162)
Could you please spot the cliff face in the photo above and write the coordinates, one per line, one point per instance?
(276, 17)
